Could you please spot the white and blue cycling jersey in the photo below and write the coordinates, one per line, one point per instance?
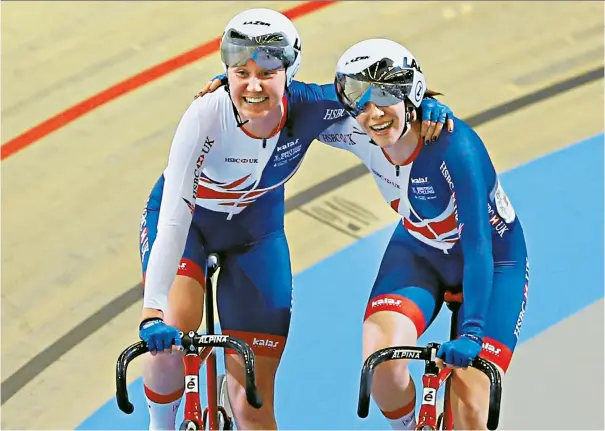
(223, 191)
(459, 232)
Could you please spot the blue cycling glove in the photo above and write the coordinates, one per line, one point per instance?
(460, 352)
(157, 335)
(435, 111)
(222, 77)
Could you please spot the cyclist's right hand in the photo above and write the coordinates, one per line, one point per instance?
(158, 336)
(212, 85)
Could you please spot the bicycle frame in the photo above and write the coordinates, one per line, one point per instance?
(448, 417)
(432, 380)
(193, 361)
(193, 411)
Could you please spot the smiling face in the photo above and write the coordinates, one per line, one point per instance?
(256, 91)
(384, 124)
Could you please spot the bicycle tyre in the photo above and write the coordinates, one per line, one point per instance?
(189, 426)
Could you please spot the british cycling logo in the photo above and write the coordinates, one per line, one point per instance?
(423, 192)
(287, 152)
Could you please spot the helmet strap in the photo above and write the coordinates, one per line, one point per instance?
(238, 119)
(408, 116)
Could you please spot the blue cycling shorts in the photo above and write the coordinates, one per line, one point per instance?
(254, 292)
(414, 281)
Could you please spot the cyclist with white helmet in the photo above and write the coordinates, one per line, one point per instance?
(223, 191)
(458, 234)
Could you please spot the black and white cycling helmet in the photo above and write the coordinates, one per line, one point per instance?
(263, 35)
(380, 71)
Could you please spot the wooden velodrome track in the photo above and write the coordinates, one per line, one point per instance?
(527, 74)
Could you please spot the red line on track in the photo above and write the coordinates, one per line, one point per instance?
(62, 119)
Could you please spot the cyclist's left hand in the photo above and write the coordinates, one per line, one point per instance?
(460, 352)
(434, 115)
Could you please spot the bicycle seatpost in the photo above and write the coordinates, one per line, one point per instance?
(212, 265)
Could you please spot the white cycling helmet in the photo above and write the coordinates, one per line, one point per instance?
(380, 71)
(264, 35)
